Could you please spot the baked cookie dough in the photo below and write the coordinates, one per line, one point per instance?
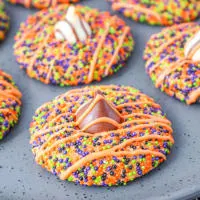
(158, 12)
(69, 45)
(103, 135)
(4, 21)
(41, 4)
(10, 103)
(173, 61)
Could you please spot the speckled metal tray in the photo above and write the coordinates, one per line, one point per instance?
(21, 178)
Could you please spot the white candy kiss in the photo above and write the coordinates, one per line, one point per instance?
(192, 47)
(73, 28)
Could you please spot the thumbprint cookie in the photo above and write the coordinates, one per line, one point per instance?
(103, 135)
(41, 4)
(10, 103)
(72, 45)
(158, 12)
(4, 21)
(173, 61)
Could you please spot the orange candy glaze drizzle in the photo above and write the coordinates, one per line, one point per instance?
(10, 102)
(102, 54)
(167, 65)
(41, 4)
(108, 158)
(158, 12)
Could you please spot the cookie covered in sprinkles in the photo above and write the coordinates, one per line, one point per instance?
(173, 61)
(69, 45)
(158, 12)
(4, 21)
(102, 135)
(10, 103)
(41, 4)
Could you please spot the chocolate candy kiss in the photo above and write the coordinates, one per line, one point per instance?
(98, 115)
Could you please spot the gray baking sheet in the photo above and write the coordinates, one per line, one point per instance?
(21, 178)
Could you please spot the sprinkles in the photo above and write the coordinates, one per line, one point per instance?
(109, 158)
(41, 4)
(158, 12)
(4, 21)
(166, 64)
(10, 103)
(57, 62)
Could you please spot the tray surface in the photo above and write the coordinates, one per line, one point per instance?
(21, 178)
